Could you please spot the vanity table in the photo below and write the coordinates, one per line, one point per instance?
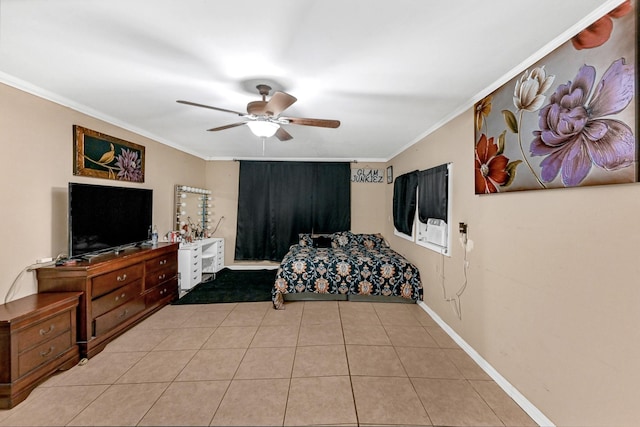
(198, 257)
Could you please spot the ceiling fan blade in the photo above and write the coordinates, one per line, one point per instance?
(283, 135)
(208, 106)
(279, 102)
(232, 125)
(313, 122)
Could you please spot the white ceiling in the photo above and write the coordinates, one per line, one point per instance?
(391, 71)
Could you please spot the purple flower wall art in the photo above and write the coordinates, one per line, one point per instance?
(103, 156)
(570, 119)
(574, 131)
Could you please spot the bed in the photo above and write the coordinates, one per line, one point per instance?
(345, 265)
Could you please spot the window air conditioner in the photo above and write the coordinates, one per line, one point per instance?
(436, 232)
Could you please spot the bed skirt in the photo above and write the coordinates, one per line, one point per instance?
(312, 296)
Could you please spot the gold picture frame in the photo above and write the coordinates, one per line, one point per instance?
(104, 156)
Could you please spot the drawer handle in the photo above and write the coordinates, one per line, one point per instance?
(162, 276)
(48, 352)
(161, 291)
(124, 313)
(120, 296)
(163, 262)
(43, 332)
(122, 278)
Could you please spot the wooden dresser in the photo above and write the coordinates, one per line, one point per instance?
(118, 290)
(37, 337)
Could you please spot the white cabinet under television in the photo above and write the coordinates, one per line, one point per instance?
(196, 258)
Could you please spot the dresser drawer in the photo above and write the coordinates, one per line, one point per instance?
(113, 318)
(43, 353)
(154, 278)
(161, 292)
(117, 297)
(161, 262)
(105, 283)
(193, 254)
(195, 277)
(44, 330)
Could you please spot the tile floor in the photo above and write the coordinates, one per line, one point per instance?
(314, 363)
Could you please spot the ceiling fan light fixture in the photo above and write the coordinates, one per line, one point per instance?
(263, 128)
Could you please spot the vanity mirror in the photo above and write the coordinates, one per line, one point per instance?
(192, 212)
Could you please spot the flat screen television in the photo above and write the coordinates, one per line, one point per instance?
(107, 218)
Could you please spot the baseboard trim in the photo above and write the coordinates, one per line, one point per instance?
(518, 397)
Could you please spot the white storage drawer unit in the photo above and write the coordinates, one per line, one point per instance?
(212, 255)
(201, 256)
(189, 265)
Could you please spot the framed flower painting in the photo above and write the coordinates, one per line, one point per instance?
(104, 156)
(570, 119)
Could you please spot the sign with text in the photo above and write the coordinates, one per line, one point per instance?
(367, 175)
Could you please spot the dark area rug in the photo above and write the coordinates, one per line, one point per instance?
(232, 286)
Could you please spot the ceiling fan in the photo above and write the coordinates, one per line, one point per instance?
(263, 117)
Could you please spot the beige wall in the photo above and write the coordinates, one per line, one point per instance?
(552, 297)
(222, 179)
(552, 300)
(367, 203)
(37, 150)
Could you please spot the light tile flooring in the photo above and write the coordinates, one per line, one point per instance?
(314, 363)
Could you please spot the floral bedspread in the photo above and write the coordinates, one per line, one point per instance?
(353, 264)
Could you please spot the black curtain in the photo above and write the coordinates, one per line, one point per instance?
(404, 201)
(331, 198)
(279, 200)
(433, 190)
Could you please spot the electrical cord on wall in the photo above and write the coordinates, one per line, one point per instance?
(456, 301)
(217, 225)
(13, 288)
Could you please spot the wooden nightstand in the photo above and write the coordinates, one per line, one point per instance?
(37, 338)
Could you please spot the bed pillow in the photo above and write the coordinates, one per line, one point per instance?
(342, 239)
(305, 239)
(322, 241)
(370, 241)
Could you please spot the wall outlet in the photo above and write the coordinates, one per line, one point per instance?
(463, 228)
(43, 260)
